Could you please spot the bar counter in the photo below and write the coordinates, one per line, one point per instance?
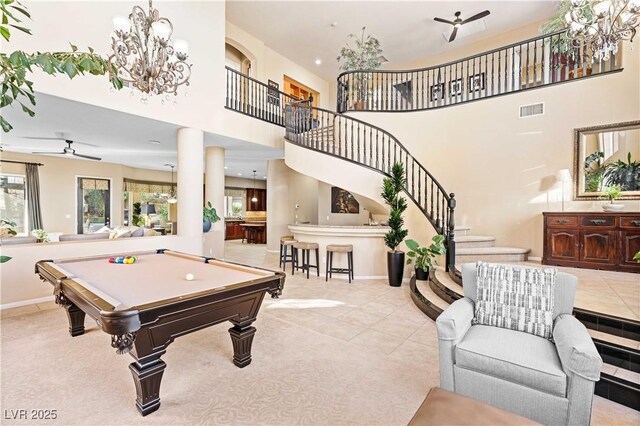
(369, 251)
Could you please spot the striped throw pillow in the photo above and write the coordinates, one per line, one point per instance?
(516, 298)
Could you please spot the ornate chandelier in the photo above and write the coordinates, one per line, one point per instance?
(145, 55)
(601, 25)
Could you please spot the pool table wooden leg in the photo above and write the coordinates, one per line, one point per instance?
(76, 319)
(147, 376)
(242, 338)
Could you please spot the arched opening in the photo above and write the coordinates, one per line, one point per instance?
(235, 59)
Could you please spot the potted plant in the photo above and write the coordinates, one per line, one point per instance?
(41, 235)
(209, 217)
(7, 228)
(562, 48)
(624, 175)
(391, 189)
(424, 258)
(363, 56)
(612, 193)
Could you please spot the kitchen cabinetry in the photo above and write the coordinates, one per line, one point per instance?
(233, 230)
(592, 240)
(261, 204)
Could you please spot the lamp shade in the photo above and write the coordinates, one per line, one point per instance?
(148, 209)
(563, 175)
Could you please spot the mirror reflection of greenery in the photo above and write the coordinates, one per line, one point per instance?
(598, 174)
(160, 203)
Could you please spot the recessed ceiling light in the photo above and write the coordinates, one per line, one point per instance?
(264, 177)
(239, 174)
(334, 24)
(154, 142)
(318, 61)
(225, 167)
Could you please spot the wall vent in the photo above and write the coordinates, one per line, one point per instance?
(532, 110)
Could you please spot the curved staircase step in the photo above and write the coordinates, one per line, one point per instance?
(447, 285)
(470, 241)
(491, 254)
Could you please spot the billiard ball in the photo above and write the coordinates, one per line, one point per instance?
(189, 277)
(112, 260)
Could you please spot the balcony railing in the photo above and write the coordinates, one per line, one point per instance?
(249, 96)
(369, 146)
(530, 64)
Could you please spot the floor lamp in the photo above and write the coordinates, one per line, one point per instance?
(563, 176)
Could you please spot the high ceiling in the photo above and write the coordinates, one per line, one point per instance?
(120, 138)
(302, 30)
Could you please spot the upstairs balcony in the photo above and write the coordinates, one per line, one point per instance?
(538, 62)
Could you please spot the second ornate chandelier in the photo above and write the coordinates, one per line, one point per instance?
(603, 24)
(145, 55)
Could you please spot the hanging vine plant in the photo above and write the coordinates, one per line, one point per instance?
(15, 67)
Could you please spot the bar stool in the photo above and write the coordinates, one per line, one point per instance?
(285, 242)
(339, 248)
(306, 249)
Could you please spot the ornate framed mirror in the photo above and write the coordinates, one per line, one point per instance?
(606, 156)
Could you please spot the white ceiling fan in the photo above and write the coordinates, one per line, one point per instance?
(458, 22)
(67, 150)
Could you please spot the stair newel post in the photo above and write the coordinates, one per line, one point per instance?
(451, 244)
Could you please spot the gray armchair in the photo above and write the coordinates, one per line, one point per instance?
(549, 382)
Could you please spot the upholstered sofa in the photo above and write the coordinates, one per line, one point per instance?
(551, 382)
(84, 237)
(10, 241)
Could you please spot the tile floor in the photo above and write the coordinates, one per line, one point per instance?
(378, 324)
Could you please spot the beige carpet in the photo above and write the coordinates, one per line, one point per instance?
(326, 353)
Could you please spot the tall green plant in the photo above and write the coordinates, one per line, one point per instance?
(391, 189)
(563, 43)
(364, 55)
(16, 87)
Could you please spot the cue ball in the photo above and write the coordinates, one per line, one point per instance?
(189, 277)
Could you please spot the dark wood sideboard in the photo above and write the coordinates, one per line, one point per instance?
(592, 240)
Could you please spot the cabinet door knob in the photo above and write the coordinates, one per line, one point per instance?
(562, 221)
(598, 221)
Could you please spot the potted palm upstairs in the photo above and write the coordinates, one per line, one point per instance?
(391, 188)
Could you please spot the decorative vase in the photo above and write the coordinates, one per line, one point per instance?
(206, 225)
(422, 275)
(395, 267)
(611, 207)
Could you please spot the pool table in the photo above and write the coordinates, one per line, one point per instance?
(144, 306)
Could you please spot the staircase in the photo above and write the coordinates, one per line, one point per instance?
(472, 248)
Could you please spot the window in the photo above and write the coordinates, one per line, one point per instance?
(13, 203)
(94, 204)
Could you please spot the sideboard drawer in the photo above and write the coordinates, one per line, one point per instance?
(598, 221)
(562, 221)
(630, 222)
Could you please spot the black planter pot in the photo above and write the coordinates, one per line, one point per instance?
(395, 267)
(421, 275)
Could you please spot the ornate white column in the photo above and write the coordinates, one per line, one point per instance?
(190, 171)
(214, 192)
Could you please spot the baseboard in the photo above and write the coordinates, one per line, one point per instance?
(26, 302)
(534, 258)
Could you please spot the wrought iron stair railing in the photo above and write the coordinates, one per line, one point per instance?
(254, 98)
(530, 64)
(369, 146)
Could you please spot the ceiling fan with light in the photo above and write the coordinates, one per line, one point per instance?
(67, 150)
(457, 23)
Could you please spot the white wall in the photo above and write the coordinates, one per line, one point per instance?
(502, 168)
(88, 23)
